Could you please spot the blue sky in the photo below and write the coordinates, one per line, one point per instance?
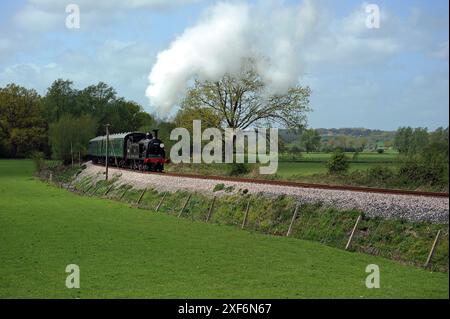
(385, 78)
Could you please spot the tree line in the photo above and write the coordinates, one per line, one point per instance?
(61, 122)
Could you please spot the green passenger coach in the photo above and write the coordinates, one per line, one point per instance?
(136, 150)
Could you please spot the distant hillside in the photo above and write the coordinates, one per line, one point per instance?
(355, 132)
(344, 138)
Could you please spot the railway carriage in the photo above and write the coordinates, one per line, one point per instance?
(135, 150)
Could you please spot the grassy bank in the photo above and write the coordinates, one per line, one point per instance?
(368, 173)
(127, 252)
(401, 240)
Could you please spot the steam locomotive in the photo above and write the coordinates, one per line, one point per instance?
(135, 150)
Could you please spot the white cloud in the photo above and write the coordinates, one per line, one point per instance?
(288, 40)
(300, 41)
(119, 64)
(89, 5)
(227, 34)
(41, 15)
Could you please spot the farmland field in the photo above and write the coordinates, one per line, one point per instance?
(133, 253)
(362, 157)
(315, 163)
(298, 169)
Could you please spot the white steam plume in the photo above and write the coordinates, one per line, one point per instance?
(228, 33)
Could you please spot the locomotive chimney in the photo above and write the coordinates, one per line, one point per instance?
(155, 133)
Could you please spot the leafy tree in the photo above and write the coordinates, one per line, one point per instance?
(403, 139)
(69, 136)
(310, 139)
(424, 159)
(419, 140)
(124, 116)
(282, 147)
(295, 151)
(189, 112)
(363, 143)
(22, 127)
(59, 100)
(244, 100)
(100, 101)
(338, 163)
(411, 141)
(342, 141)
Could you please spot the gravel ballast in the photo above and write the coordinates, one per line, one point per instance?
(413, 208)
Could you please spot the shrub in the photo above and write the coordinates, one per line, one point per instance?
(428, 171)
(338, 163)
(237, 169)
(38, 161)
(380, 151)
(229, 189)
(380, 174)
(219, 187)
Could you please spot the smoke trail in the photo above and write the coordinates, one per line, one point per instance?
(228, 33)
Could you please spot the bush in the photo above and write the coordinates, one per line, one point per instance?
(380, 151)
(219, 187)
(424, 171)
(237, 169)
(38, 161)
(380, 174)
(338, 163)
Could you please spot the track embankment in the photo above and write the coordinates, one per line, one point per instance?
(386, 203)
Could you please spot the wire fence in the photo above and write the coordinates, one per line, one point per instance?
(419, 244)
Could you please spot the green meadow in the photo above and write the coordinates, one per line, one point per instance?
(125, 252)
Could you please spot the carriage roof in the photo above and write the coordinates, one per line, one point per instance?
(118, 136)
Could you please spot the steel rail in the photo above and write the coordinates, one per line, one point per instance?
(295, 184)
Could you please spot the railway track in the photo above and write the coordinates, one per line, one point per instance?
(294, 184)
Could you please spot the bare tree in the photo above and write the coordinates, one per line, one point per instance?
(245, 100)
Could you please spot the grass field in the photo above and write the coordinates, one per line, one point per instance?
(315, 163)
(298, 169)
(362, 157)
(126, 252)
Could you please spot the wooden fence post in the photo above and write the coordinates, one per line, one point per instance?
(292, 221)
(353, 232)
(160, 202)
(184, 206)
(210, 209)
(245, 215)
(87, 190)
(50, 177)
(123, 194)
(142, 195)
(107, 191)
(430, 255)
(95, 189)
